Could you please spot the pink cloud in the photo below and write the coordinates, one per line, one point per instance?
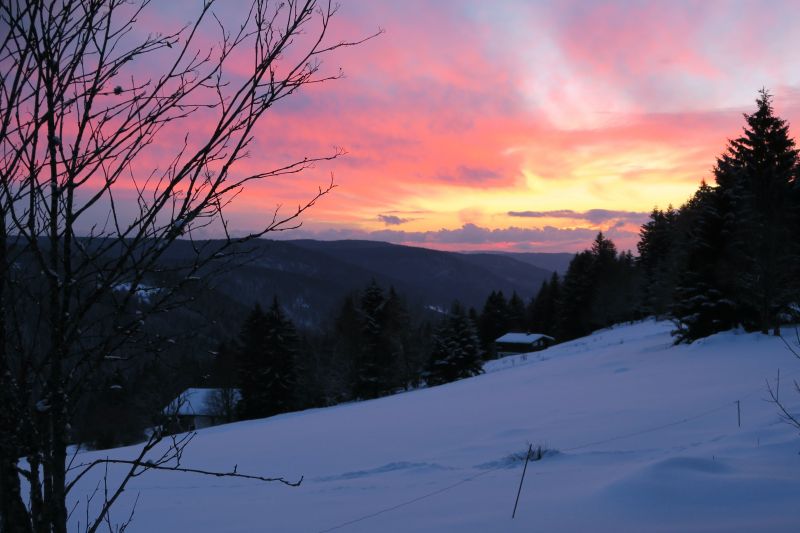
(457, 94)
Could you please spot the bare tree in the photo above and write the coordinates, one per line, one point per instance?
(786, 414)
(222, 403)
(86, 224)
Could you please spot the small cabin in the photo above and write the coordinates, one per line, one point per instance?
(514, 343)
(200, 408)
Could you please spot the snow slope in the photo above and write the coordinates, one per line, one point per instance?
(645, 438)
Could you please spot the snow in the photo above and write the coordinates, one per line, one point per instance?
(143, 292)
(522, 338)
(195, 401)
(641, 436)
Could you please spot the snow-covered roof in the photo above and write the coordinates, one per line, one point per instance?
(143, 292)
(194, 402)
(523, 338)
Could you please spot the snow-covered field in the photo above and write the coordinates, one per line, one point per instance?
(644, 437)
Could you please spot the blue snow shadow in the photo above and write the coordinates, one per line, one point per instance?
(390, 467)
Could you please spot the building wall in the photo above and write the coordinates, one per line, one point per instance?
(505, 348)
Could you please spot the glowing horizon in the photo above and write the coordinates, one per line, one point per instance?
(525, 126)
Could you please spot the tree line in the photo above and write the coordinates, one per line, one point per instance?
(725, 258)
(728, 256)
(596, 291)
(374, 346)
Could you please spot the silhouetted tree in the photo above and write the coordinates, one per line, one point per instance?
(577, 291)
(756, 175)
(659, 260)
(91, 215)
(493, 322)
(599, 289)
(405, 364)
(224, 366)
(374, 363)
(516, 315)
(704, 299)
(375, 341)
(544, 307)
(456, 349)
(348, 339)
(268, 353)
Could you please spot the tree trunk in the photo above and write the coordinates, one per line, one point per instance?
(37, 506)
(58, 505)
(13, 514)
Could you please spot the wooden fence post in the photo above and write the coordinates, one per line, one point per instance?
(524, 469)
(739, 412)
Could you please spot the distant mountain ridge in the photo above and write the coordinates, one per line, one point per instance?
(311, 278)
(553, 261)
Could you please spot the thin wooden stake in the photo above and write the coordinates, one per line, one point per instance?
(524, 469)
(739, 412)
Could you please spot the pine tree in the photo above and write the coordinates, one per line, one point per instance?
(658, 261)
(405, 364)
(372, 365)
(739, 266)
(704, 301)
(250, 345)
(473, 315)
(615, 282)
(385, 361)
(574, 317)
(591, 291)
(516, 314)
(624, 292)
(268, 352)
(468, 359)
(441, 368)
(456, 349)
(544, 308)
(604, 283)
(493, 322)
(224, 367)
(375, 344)
(347, 342)
(534, 310)
(552, 305)
(282, 354)
(598, 290)
(756, 175)
(604, 252)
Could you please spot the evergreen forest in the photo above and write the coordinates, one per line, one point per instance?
(726, 258)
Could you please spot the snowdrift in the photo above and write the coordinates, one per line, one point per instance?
(640, 435)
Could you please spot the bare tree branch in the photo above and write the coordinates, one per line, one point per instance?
(87, 226)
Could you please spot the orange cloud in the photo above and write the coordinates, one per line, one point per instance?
(464, 112)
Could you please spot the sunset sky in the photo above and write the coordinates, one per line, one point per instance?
(522, 125)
